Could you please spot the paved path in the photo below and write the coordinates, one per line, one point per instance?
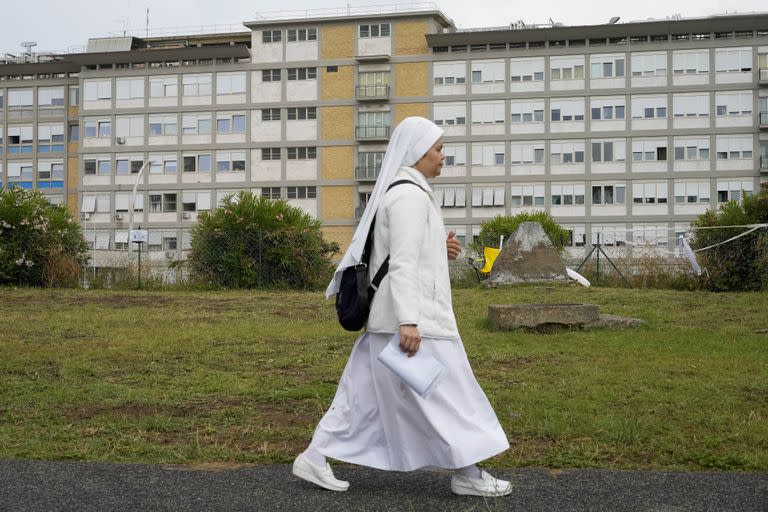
(84, 486)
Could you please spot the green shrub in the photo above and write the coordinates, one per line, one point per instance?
(40, 244)
(254, 242)
(491, 230)
(741, 264)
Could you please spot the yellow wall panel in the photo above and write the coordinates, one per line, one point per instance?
(404, 110)
(338, 41)
(73, 179)
(338, 203)
(337, 123)
(412, 79)
(341, 235)
(410, 37)
(338, 85)
(338, 162)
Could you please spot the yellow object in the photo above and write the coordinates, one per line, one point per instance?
(489, 254)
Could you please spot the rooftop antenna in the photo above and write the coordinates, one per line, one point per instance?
(147, 29)
(614, 20)
(28, 46)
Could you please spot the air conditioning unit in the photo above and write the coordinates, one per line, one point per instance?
(118, 216)
(170, 254)
(120, 140)
(85, 215)
(186, 215)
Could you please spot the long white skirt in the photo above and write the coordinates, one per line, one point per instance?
(376, 420)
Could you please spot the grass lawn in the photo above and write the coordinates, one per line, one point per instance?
(202, 377)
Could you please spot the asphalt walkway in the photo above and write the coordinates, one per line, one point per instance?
(86, 486)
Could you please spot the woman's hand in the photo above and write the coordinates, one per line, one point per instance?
(453, 245)
(409, 339)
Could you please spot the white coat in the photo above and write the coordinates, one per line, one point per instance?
(417, 289)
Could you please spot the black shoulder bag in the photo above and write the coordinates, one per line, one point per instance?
(353, 300)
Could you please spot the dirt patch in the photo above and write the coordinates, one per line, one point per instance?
(120, 301)
(140, 410)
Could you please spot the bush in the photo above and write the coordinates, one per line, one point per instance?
(741, 264)
(254, 242)
(491, 230)
(40, 244)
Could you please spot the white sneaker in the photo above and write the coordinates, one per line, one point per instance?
(486, 485)
(323, 477)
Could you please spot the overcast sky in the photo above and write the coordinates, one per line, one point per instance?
(63, 26)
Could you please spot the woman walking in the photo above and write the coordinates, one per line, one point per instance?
(375, 419)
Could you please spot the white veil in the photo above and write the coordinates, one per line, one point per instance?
(409, 142)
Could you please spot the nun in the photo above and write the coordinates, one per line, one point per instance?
(375, 419)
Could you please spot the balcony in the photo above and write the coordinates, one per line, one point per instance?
(763, 121)
(763, 163)
(367, 173)
(372, 133)
(372, 92)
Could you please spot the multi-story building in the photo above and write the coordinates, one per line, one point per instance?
(625, 129)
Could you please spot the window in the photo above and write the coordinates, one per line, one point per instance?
(451, 196)
(301, 192)
(649, 107)
(20, 139)
(487, 196)
(488, 112)
(690, 62)
(50, 137)
(123, 201)
(197, 123)
(302, 113)
(49, 98)
(271, 36)
(606, 66)
(230, 122)
(369, 163)
(160, 163)
(270, 154)
(302, 74)
(649, 193)
(197, 162)
(487, 71)
(691, 192)
(270, 75)
(690, 105)
(97, 89)
(566, 152)
(270, 192)
(163, 125)
(20, 98)
(99, 203)
(302, 153)
(527, 70)
(609, 194)
(577, 236)
(567, 194)
(734, 147)
(128, 164)
(20, 174)
(731, 190)
(649, 64)
(650, 234)
(733, 60)
(302, 34)
(567, 110)
(230, 83)
(566, 68)
(74, 96)
(195, 200)
(692, 148)
(607, 109)
(230, 161)
(649, 150)
(270, 114)
(375, 30)
(526, 153)
(100, 165)
(197, 85)
(609, 150)
(484, 154)
(162, 203)
(130, 88)
(526, 195)
(455, 155)
(375, 123)
(526, 111)
(737, 103)
(129, 126)
(166, 86)
(50, 174)
(450, 114)
(74, 132)
(449, 73)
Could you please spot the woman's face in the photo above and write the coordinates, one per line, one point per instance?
(431, 163)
